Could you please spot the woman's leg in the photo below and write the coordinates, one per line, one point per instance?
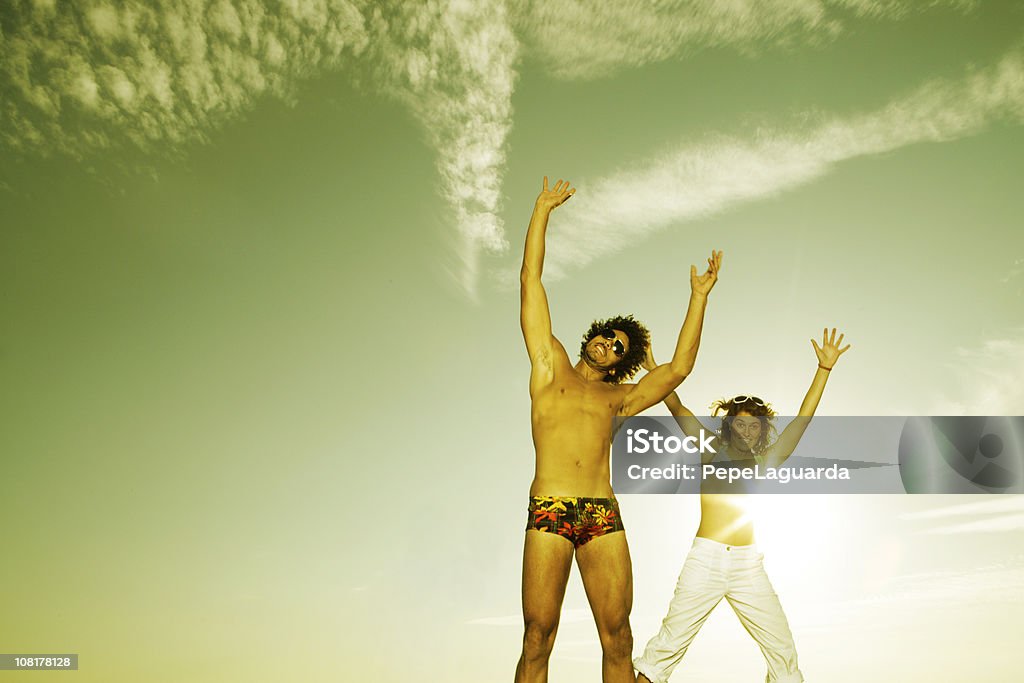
(700, 588)
(754, 600)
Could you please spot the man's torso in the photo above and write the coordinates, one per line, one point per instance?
(572, 430)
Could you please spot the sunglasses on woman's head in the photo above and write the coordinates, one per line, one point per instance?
(753, 399)
(617, 347)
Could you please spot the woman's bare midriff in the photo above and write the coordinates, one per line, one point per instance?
(724, 519)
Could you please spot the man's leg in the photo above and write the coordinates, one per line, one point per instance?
(547, 558)
(700, 588)
(608, 579)
(759, 610)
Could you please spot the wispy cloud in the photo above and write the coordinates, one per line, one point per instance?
(998, 505)
(453, 64)
(699, 180)
(83, 78)
(569, 616)
(89, 76)
(993, 525)
(580, 39)
(987, 380)
(1003, 582)
(906, 596)
(999, 515)
(1014, 275)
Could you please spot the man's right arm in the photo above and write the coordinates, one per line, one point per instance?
(534, 314)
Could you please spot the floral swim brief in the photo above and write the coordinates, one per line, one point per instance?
(577, 519)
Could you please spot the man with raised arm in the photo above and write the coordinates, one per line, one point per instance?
(572, 507)
(724, 562)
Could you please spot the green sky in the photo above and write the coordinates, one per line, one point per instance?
(263, 389)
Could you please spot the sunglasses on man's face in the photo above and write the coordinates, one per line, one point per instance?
(617, 347)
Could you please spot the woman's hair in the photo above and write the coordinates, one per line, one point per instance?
(638, 336)
(731, 407)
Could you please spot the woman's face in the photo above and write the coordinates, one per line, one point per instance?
(748, 430)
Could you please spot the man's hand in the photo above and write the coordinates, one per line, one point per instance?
(702, 284)
(550, 199)
(648, 363)
(828, 353)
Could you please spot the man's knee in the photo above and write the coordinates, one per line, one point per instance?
(539, 638)
(617, 639)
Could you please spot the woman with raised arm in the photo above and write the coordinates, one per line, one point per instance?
(724, 562)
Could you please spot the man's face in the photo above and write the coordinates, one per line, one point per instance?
(747, 429)
(603, 350)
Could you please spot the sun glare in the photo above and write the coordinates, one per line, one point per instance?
(794, 531)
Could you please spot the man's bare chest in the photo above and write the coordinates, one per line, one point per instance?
(577, 398)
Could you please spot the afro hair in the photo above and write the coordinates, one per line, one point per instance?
(639, 339)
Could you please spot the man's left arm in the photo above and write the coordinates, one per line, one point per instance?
(662, 380)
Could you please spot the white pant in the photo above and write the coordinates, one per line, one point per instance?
(713, 571)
